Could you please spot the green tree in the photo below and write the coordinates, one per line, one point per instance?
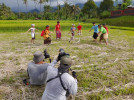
(59, 12)
(76, 9)
(106, 5)
(6, 13)
(89, 8)
(41, 2)
(66, 9)
(18, 8)
(47, 10)
(126, 3)
(26, 4)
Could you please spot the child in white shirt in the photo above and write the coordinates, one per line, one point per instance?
(32, 32)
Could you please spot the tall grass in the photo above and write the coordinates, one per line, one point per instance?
(126, 21)
(24, 25)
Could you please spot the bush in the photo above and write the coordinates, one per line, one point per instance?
(105, 14)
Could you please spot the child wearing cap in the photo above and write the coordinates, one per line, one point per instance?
(58, 31)
(73, 29)
(32, 32)
(95, 27)
(104, 34)
(46, 34)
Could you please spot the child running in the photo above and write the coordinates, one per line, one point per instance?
(104, 25)
(104, 34)
(95, 27)
(46, 34)
(32, 32)
(73, 29)
(58, 31)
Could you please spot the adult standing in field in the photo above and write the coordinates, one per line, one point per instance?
(32, 32)
(59, 82)
(104, 34)
(95, 27)
(58, 30)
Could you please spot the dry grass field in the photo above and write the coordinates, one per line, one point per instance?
(104, 72)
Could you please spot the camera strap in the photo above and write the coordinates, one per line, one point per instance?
(59, 75)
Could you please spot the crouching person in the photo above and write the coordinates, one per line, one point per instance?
(37, 69)
(59, 82)
(104, 34)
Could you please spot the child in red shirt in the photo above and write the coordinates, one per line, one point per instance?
(79, 29)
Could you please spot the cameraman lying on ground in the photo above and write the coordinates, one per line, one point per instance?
(59, 82)
(37, 70)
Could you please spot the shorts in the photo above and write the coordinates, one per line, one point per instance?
(72, 34)
(47, 41)
(33, 35)
(103, 36)
(95, 35)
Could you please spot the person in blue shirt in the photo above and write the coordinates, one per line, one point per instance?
(95, 27)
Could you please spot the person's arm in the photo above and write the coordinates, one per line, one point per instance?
(50, 32)
(69, 32)
(55, 29)
(76, 30)
(37, 29)
(99, 33)
(73, 87)
(90, 30)
(28, 30)
(60, 29)
(52, 64)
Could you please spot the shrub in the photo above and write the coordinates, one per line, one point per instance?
(105, 14)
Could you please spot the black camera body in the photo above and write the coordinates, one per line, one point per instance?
(47, 55)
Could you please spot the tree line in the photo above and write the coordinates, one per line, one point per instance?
(68, 11)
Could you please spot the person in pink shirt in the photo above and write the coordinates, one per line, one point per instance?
(58, 31)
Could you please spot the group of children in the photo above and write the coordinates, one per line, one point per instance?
(99, 30)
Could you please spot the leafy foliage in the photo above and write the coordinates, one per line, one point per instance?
(106, 5)
(90, 9)
(105, 14)
(6, 13)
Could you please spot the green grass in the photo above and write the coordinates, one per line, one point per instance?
(125, 21)
(23, 26)
(98, 66)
